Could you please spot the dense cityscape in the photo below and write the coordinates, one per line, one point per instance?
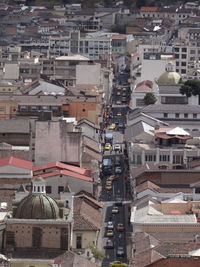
(99, 133)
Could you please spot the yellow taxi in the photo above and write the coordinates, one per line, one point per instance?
(124, 93)
(109, 233)
(118, 102)
(117, 264)
(108, 182)
(107, 146)
(108, 187)
(119, 114)
(112, 126)
(124, 89)
(115, 209)
(118, 93)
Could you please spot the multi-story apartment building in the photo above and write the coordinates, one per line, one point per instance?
(177, 13)
(93, 46)
(187, 51)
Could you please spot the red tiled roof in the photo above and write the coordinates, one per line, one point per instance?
(67, 173)
(146, 82)
(94, 201)
(64, 166)
(143, 88)
(148, 9)
(21, 163)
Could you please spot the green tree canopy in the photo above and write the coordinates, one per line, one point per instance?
(190, 87)
(149, 99)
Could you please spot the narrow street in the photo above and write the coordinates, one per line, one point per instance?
(114, 176)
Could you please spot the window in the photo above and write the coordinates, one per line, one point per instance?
(23, 108)
(176, 55)
(54, 108)
(185, 115)
(79, 241)
(192, 52)
(34, 108)
(164, 157)
(183, 63)
(194, 116)
(183, 71)
(184, 56)
(48, 189)
(165, 115)
(176, 49)
(2, 109)
(177, 64)
(177, 115)
(184, 50)
(150, 158)
(60, 189)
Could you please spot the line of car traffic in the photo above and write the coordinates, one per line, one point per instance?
(113, 175)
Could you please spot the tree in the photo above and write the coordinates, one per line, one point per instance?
(98, 254)
(190, 87)
(149, 99)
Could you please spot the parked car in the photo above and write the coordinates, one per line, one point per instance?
(118, 102)
(110, 225)
(108, 182)
(120, 227)
(117, 147)
(124, 99)
(115, 209)
(120, 126)
(107, 147)
(112, 127)
(120, 252)
(109, 244)
(117, 161)
(117, 264)
(108, 187)
(109, 233)
(118, 169)
(107, 171)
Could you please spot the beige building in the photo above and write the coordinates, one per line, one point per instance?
(87, 222)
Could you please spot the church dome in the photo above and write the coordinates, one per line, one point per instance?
(169, 78)
(37, 206)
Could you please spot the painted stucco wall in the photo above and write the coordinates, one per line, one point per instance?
(53, 142)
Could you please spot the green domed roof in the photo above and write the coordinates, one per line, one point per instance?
(37, 206)
(169, 78)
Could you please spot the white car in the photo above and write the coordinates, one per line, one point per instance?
(117, 147)
(110, 225)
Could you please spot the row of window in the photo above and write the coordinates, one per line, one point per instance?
(49, 189)
(184, 63)
(137, 159)
(36, 108)
(185, 115)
